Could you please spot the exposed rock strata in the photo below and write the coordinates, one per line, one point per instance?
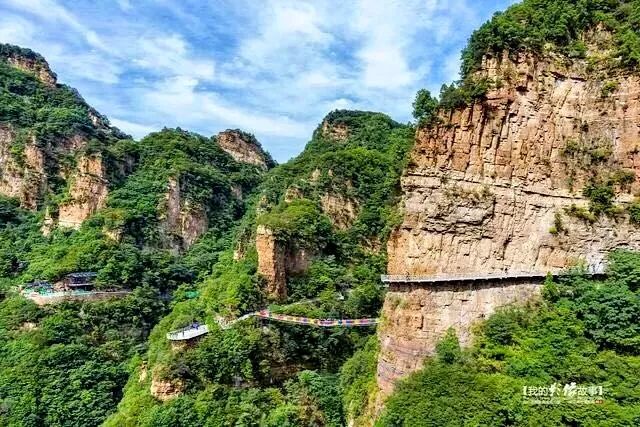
(277, 260)
(483, 190)
(242, 149)
(22, 171)
(512, 148)
(415, 318)
(335, 131)
(341, 210)
(165, 390)
(35, 66)
(87, 194)
(182, 222)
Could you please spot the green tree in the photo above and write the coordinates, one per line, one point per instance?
(425, 107)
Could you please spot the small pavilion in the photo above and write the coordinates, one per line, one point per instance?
(80, 281)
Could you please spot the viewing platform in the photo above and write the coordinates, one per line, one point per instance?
(187, 333)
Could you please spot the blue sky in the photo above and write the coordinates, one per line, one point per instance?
(270, 67)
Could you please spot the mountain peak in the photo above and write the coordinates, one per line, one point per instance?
(28, 61)
(244, 148)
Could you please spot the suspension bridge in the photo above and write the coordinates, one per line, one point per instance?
(197, 330)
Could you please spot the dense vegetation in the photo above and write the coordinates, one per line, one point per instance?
(289, 373)
(48, 116)
(584, 331)
(559, 25)
(141, 255)
(542, 26)
(27, 103)
(67, 364)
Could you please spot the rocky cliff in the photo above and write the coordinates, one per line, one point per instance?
(181, 221)
(30, 62)
(45, 134)
(483, 188)
(88, 192)
(277, 260)
(22, 173)
(244, 148)
(510, 184)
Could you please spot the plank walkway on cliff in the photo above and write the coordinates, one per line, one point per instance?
(491, 277)
(193, 332)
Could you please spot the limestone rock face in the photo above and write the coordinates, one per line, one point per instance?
(22, 172)
(182, 222)
(341, 210)
(35, 66)
(277, 260)
(165, 390)
(88, 192)
(486, 188)
(482, 189)
(243, 149)
(335, 131)
(271, 265)
(415, 319)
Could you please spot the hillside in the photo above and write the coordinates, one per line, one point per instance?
(147, 216)
(231, 290)
(314, 244)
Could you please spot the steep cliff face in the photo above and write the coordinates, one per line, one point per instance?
(503, 185)
(271, 265)
(181, 221)
(88, 192)
(415, 319)
(45, 131)
(244, 148)
(340, 192)
(277, 260)
(341, 210)
(335, 131)
(22, 172)
(483, 189)
(30, 62)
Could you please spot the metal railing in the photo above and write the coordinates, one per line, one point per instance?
(443, 278)
(187, 333)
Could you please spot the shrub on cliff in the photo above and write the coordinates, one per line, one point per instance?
(425, 107)
(301, 221)
(559, 25)
(586, 333)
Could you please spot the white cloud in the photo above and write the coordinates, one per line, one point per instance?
(169, 55)
(451, 67)
(284, 30)
(274, 67)
(50, 10)
(179, 102)
(386, 29)
(125, 5)
(88, 65)
(16, 30)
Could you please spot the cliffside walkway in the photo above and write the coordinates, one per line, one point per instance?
(47, 298)
(489, 277)
(192, 332)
